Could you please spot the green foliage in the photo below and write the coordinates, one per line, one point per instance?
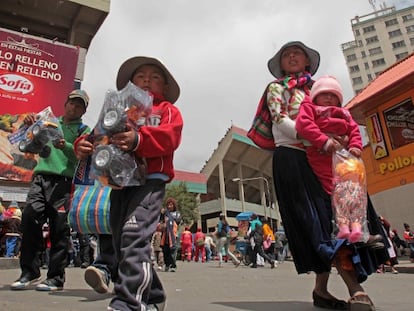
(186, 202)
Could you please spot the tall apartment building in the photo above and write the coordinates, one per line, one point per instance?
(381, 38)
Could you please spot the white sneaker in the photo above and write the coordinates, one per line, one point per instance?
(50, 285)
(24, 282)
(156, 307)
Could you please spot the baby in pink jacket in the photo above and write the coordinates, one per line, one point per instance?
(324, 123)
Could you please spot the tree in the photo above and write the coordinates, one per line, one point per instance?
(186, 202)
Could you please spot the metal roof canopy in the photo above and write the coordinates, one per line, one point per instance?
(241, 158)
(70, 21)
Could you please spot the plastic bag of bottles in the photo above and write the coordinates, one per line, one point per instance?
(122, 110)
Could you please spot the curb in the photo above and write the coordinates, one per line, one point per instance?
(9, 263)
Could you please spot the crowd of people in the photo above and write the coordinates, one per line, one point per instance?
(218, 245)
(145, 235)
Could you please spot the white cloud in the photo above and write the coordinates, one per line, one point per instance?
(218, 51)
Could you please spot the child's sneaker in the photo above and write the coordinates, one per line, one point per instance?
(24, 281)
(50, 285)
(156, 307)
(97, 279)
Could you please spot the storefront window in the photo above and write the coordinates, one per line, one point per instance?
(400, 123)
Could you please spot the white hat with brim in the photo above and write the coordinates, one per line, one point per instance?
(128, 68)
(274, 62)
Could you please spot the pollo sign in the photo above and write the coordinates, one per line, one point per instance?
(34, 73)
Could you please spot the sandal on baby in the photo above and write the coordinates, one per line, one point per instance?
(325, 303)
(360, 301)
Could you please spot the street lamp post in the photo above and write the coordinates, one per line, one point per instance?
(241, 180)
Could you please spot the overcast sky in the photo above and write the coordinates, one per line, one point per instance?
(217, 51)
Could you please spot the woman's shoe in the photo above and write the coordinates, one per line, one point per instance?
(325, 303)
(360, 301)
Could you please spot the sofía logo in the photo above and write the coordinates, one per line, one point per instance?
(15, 84)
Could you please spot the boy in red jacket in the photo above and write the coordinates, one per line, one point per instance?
(135, 210)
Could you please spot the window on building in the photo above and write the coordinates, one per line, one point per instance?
(410, 28)
(354, 68)
(371, 39)
(369, 76)
(412, 41)
(356, 81)
(369, 29)
(407, 17)
(351, 57)
(401, 55)
(378, 62)
(394, 33)
(375, 51)
(366, 65)
(398, 44)
(400, 123)
(363, 54)
(357, 32)
(391, 22)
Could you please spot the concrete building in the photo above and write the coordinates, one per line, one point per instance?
(239, 179)
(380, 39)
(73, 22)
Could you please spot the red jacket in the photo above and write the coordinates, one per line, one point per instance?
(199, 236)
(186, 237)
(160, 138)
(316, 124)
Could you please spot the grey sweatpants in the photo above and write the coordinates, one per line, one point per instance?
(134, 216)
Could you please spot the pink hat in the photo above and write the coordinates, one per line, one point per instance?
(327, 84)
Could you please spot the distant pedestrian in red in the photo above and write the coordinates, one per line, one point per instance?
(199, 238)
(186, 244)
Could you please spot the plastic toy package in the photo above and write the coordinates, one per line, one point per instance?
(349, 197)
(127, 108)
(34, 138)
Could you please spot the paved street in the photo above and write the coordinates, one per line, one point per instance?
(205, 287)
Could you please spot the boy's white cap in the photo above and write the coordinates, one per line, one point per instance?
(327, 84)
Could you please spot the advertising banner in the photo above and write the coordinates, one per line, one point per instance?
(376, 137)
(400, 123)
(34, 73)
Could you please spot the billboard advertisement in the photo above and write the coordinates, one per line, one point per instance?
(35, 73)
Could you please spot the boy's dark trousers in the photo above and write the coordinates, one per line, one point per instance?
(48, 198)
(134, 216)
